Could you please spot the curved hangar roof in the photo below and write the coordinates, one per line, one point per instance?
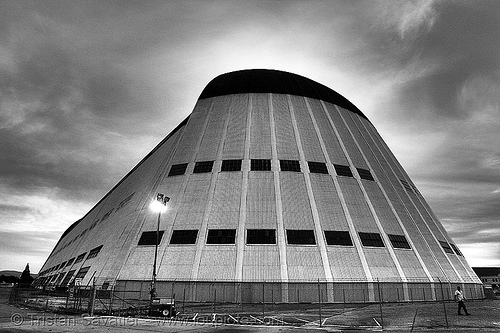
(273, 81)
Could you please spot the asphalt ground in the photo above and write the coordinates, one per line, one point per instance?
(394, 317)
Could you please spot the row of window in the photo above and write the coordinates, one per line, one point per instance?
(122, 204)
(265, 165)
(92, 254)
(492, 280)
(57, 279)
(268, 236)
(254, 236)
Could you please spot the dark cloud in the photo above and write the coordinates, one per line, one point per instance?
(464, 42)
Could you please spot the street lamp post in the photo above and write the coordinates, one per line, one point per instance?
(159, 204)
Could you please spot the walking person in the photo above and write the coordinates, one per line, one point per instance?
(460, 298)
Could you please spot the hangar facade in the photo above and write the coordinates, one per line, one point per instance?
(274, 180)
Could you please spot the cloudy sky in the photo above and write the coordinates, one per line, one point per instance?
(88, 88)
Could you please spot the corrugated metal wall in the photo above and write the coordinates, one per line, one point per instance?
(275, 127)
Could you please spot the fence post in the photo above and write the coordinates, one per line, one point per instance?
(92, 300)
(263, 299)
(343, 298)
(413, 322)
(319, 302)
(111, 294)
(380, 302)
(215, 296)
(272, 297)
(184, 300)
(444, 303)
(241, 296)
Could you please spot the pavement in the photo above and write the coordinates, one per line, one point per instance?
(393, 317)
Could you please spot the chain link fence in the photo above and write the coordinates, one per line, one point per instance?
(270, 303)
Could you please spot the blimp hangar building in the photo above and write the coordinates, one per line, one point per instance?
(276, 184)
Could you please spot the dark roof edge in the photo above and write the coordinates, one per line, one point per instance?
(274, 81)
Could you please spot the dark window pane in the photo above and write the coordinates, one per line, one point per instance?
(221, 236)
(94, 252)
(338, 238)
(406, 185)
(261, 236)
(59, 278)
(300, 237)
(231, 165)
(365, 174)
(343, 170)
(184, 237)
(205, 166)
(371, 239)
(177, 169)
(317, 167)
(125, 201)
(80, 257)
(67, 278)
(456, 249)
(70, 262)
(290, 165)
(260, 165)
(446, 247)
(399, 241)
(82, 272)
(149, 238)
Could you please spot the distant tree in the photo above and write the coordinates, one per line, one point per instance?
(26, 278)
(9, 279)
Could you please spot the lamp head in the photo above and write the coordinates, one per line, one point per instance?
(159, 204)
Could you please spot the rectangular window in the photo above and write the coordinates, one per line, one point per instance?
(446, 247)
(261, 236)
(399, 241)
(221, 236)
(108, 214)
(59, 278)
(122, 204)
(456, 249)
(343, 170)
(149, 238)
(317, 167)
(365, 174)
(371, 239)
(177, 169)
(82, 272)
(231, 165)
(80, 257)
(63, 264)
(415, 189)
(70, 262)
(201, 167)
(290, 165)
(260, 165)
(406, 185)
(300, 237)
(94, 252)
(338, 238)
(184, 237)
(67, 278)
